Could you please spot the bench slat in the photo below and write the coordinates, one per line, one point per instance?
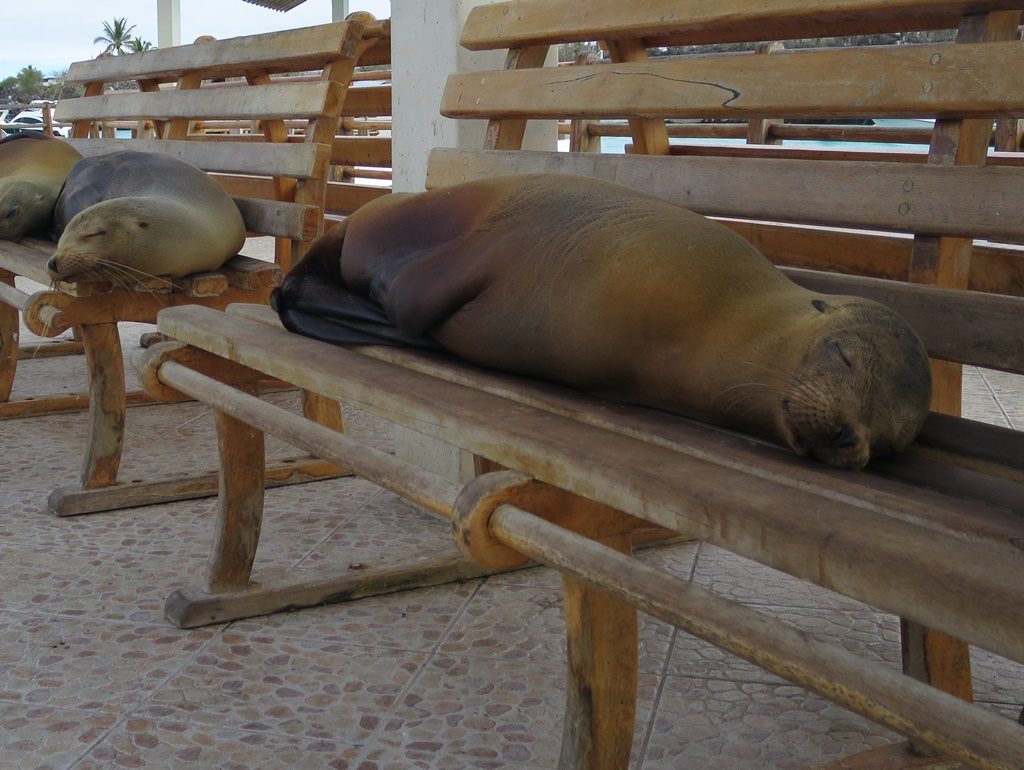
(909, 81)
(275, 101)
(940, 200)
(361, 151)
(994, 269)
(367, 101)
(296, 221)
(999, 450)
(297, 160)
(989, 327)
(25, 261)
(863, 554)
(520, 24)
(288, 50)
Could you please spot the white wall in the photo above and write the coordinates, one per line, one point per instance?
(424, 51)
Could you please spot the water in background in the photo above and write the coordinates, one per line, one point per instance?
(617, 144)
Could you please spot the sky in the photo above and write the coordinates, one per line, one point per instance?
(50, 34)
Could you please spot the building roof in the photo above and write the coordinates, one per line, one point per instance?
(277, 5)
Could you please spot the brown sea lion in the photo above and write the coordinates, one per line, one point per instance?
(136, 214)
(594, 285)
(32, 169)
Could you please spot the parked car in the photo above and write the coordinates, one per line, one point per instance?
(31, 120)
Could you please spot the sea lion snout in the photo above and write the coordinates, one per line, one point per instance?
(862, 391)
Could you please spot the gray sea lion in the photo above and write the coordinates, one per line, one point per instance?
(137, 214)
(593, 285)
(32, 169)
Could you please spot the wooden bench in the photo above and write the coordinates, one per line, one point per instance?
(934, 535)
(289, 89)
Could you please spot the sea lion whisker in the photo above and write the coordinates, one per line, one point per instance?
(787, 378)
(133, 271)
(127, 282)
(735, 395)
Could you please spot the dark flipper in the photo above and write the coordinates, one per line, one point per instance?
(346, 331)
(312, 301)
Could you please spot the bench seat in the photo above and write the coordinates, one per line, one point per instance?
(934, 534)
(278, 177)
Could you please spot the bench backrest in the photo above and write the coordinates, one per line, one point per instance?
(906, 217)
(259, 112)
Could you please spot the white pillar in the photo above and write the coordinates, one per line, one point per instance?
(339, 10)
(168, 23)
(424, 51)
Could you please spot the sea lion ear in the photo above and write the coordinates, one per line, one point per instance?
(822, 306)
(142, 224)
(12, 211)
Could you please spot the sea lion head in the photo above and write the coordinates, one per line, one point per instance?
(862, 387)
(126, 239)
(24, 208)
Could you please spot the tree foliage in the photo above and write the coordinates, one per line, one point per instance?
(137, 45)
(116, 35)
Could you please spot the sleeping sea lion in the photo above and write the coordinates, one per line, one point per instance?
(138, 214)
(594, 285)
(32, 169)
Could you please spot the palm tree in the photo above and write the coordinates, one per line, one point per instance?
(137, 45)
(116, 36)
(30, 82)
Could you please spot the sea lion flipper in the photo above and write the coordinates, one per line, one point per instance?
(340, 330)
(314, 301)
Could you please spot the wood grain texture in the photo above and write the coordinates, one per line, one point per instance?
(533, 22)
(600, 693)
(275, 101)
(979, 201)
(904, 81)
(106, 404)
(895, 565)
(294, 50)
(10, 299)
(989, 327)
(292, 159)
(239, 505)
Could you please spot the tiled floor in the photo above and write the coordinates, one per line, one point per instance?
(466, 675)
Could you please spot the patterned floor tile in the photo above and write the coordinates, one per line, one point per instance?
(476, 713)
(748, 582)
(96, 665)
(723, 725)
(167, 745)
(511, 622)
(869, 634)
(43, 738)
(523, 622)
(997, 679)
(411, 620)
(386, 532)
(32, 576)
(1008, 390)
(472, 713)
(265, 684)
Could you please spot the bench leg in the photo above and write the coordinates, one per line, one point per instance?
(939, 660)
(9, 319)
(323, 410)
(600, 708)
(107, 403)
(239, 507)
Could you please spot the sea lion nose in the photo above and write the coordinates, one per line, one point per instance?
(846, 438)
(51, 264)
